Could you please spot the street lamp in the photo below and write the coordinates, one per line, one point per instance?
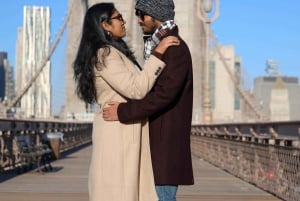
(204, 7)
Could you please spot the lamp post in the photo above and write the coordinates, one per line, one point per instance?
(204, 7)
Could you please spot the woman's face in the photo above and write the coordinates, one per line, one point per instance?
(117, 25)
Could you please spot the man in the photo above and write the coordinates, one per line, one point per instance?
(168, 105)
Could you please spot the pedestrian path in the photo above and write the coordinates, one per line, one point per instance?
(68, 182)
(214, 184)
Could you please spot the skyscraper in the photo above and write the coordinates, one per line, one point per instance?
(3, 59)
(7, 84)
(190, 28)
(7, 90)
(34, 49)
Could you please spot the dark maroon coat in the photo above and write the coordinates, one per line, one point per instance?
(169, 108)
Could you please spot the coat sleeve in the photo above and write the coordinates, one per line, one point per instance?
(166, 90)
(129, 84)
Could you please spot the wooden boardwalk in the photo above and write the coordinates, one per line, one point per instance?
(69, 183)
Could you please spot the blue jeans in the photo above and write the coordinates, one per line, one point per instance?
(166, 193)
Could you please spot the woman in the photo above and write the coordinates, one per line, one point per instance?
(105, 69)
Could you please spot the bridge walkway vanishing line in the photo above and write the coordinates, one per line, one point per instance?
(68, 182)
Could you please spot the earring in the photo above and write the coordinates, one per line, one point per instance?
(109, 33)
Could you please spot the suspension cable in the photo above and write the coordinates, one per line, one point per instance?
(258, 113)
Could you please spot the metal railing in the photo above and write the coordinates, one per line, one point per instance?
(75, 135)
(264, 154)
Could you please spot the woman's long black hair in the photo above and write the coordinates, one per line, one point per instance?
(93, 38)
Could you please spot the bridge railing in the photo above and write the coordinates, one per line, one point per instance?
(74, 134)
(264, 154)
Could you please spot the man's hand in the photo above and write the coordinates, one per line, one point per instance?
(110, 111)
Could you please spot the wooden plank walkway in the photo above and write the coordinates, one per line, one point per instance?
(69, 183)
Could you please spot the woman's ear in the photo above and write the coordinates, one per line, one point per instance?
(106, 26)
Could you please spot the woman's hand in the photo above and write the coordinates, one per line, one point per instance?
(165, 43)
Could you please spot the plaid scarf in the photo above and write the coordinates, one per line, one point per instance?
(152, 42)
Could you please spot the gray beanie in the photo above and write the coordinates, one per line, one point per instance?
(161, 10)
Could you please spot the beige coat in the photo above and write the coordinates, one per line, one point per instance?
(121, 167)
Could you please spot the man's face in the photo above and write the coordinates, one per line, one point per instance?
(146, 22)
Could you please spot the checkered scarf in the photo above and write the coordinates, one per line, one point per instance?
(152, 42)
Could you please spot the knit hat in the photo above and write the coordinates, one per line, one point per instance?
(161, 10)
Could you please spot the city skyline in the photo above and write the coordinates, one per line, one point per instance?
(259, 31)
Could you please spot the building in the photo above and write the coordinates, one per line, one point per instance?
(19, 61)
(7, 85)
(262, 92)
(33, 46)
(3, 61)
(190, 27)
(279, 109)
(225, 97)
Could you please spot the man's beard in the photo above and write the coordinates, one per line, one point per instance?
(148, 33)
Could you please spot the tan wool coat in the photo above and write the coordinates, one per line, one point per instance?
(120, 168)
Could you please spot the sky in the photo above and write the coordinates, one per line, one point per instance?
(12, 18)
(259, 30)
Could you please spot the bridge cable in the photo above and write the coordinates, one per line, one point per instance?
(258, 113)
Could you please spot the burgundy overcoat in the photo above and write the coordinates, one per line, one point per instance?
(169, 108)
